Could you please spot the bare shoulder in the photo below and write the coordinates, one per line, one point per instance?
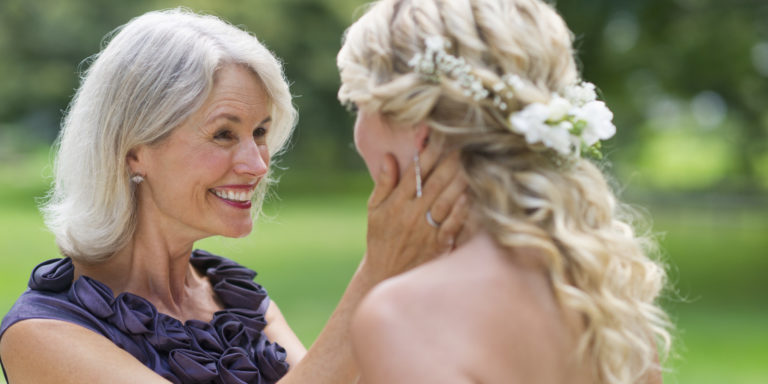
(418, 327)
(480, 310)
(54, 351)
(393, 344)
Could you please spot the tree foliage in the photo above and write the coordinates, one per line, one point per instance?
(670, 69)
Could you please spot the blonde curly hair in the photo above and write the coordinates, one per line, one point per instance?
(598, 265)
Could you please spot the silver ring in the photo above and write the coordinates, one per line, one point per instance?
(432, 221)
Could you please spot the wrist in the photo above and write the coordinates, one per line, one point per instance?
(368, 273)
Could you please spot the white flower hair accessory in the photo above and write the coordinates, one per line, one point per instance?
(571, 124)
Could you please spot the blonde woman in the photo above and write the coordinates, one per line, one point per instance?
(167, 141)
(547, 283)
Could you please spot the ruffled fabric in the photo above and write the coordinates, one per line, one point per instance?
(92, 295)
(54, 275)
(230, 349)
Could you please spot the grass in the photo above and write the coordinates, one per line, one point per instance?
(309, 248)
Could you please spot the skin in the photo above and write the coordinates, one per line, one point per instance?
(377, 139)
(478, 314)
(223, 144)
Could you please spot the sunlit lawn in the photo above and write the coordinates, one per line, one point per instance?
(310, 247)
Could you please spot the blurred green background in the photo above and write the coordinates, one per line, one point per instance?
(687, 80)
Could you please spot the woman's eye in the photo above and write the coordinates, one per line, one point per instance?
(223, 134)
(259, 132)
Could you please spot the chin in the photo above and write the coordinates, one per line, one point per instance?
(242, 235)
(243, 232)
(237, 231)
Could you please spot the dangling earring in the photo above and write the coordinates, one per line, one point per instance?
(417, 169)
(137, 179)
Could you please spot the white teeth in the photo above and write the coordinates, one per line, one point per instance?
(239, 196)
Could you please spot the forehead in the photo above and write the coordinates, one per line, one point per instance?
(237, 84)
(238, 97)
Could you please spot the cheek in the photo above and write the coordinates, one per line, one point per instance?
(364, 144)
(356, 134)
(264, 153)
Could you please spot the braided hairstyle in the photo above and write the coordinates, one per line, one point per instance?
(598, 266)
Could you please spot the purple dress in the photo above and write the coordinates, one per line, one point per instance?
(230, 349)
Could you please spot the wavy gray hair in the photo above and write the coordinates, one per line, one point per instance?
(154, 73)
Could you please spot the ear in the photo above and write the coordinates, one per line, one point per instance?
(421, 135)
(134, 160)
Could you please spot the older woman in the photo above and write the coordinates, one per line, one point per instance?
(168, 141)
(547, 283)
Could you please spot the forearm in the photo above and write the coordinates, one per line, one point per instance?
(330, 358)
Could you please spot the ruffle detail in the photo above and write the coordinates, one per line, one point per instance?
(92, 295)
(169, 334)
(205, 337)
(230, 349)
(271, 359)
(133, 314)
(253, 321)
(240, 293)
(192, 366)
(54, 275)
(236, 367)
(217, 268)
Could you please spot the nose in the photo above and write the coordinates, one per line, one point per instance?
(252, 159)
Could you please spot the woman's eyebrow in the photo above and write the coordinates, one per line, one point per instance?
(234, 118)
(224, 115)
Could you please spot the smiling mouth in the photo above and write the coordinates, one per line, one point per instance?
(234, 196)
(237, 197)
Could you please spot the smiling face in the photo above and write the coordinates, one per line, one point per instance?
(199, 180)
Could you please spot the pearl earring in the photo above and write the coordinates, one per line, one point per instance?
(137, 179)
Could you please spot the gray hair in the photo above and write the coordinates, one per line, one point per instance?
(152, 75)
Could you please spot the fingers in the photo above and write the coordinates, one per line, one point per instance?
(385, 181)
(448, 197)
(453, 224)
(446, 171)
(427, 159)
(429, 156)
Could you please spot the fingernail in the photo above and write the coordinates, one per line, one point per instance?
(385, 168)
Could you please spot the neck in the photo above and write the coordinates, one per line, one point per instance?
(470, 229)
(154, 265)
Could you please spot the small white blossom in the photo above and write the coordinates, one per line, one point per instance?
(530, 122)
(599, 122)
(427, 67)
(558, 137)
(580, 94)
(435, 43)
(565, 124)
(559, 108)
(514, 81)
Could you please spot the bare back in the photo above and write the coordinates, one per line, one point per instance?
(477, 315)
